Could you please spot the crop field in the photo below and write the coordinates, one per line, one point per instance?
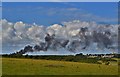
(15, 66)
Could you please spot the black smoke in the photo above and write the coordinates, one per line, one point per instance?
(26, 49)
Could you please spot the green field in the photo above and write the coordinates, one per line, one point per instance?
(15, 66)
(0, 66)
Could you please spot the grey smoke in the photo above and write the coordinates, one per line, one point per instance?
(102, 39)
(71, 36)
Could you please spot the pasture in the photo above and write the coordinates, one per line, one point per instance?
(16, 66)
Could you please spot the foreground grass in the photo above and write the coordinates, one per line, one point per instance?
(14, 66)
(0, 66)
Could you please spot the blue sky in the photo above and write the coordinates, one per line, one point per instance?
(47, 13)
(61, 1)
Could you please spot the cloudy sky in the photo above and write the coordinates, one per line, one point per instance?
(23, 21)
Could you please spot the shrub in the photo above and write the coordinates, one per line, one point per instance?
(107, 63)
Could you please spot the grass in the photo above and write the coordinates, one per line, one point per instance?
(0, 66)
(15, 66)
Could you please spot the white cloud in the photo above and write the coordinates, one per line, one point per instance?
(21, 33)
(36, 33)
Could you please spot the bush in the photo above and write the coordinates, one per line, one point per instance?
(107, 63)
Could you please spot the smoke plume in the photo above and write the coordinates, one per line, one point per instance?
(71, 36)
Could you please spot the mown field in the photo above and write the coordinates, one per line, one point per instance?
(15, 66)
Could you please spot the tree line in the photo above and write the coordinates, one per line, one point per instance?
(72, 58)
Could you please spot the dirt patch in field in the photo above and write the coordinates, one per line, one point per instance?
(56, 66)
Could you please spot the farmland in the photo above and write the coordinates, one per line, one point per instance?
(17, 66)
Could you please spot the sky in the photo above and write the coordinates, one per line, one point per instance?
(60, 0)
(17, 15)
(47, 13)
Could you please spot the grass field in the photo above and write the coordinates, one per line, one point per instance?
(14, 66)
(0, 66)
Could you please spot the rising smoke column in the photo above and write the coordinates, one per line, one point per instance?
(72, 36)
